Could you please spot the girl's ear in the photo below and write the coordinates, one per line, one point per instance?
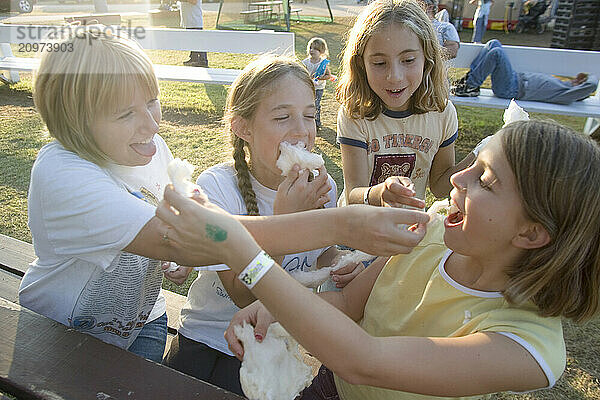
(240, 128)
(533, 236)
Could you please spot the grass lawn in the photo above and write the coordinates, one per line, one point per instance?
(192, 127)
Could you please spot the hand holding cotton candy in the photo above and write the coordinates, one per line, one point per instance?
(272, 369)
(180, 172)
(441, 209)
(313, 279)
(514, 113)
(297, 154)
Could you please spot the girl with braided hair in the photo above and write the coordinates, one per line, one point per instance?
(273, 100)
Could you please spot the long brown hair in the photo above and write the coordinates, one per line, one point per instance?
(558, 176)
(353, 91)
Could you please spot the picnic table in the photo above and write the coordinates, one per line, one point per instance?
(43, 359)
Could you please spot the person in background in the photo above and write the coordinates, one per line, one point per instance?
(316, 64)
(510, 84)
(480, 18)
(191, 18)
(446, 32)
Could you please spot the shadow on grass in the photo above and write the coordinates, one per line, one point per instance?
(10, 95)
(328, 135)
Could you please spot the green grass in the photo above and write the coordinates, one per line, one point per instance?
(192, 126)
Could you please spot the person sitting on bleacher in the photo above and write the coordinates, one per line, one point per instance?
(510, 84)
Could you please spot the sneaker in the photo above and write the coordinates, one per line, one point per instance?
(195, 63)
(464, 90)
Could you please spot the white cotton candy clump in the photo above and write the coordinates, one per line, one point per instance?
(441, 209)
(514, 113)
(297, 154)
(272, 369)
(313, 279)
(180, 172)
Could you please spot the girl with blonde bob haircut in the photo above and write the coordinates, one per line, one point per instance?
(93, 193)
(395, 118)
(475, 308)
(66, 81)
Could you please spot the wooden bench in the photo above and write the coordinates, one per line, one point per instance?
(241, 42)
(545, 60)
(37, 358)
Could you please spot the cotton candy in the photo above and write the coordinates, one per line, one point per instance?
(514, 113)
(272, 369)
(313, 279)
(297, 154)
(180, 172)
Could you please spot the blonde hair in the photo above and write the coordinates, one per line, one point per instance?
(97, 78)
(558, 176)
(353, 91)
(256, 81)
(319, 44)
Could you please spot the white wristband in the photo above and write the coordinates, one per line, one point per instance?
(256, 269)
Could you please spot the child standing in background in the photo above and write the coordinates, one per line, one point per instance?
(395, 117)
(316, 64)
(272, 101)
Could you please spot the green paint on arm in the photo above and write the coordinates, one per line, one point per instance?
(215, 233)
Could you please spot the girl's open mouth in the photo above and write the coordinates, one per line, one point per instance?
(395, 92)
(454, 219)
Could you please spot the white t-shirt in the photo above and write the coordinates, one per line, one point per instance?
(81, 216)
(208, 310)
(483, 8)
(445, 31)
(319, 84)
(191, 14)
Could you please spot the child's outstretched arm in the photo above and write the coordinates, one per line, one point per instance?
(443, 167)
(474, 364)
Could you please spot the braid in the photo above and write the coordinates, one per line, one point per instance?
(243, 176)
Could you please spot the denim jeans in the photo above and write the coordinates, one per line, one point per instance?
(152, 339)
(479, 28)
(318, 97)
(321, 388)
(492, 60)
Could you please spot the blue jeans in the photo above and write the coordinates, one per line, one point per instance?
(322, 387)
(152, 339)
(492, 60)
(479, 28)
(318, 97)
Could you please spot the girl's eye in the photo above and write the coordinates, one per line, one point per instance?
(281, 118)
(486, 184)
(409, 60)
(126, 115)
(310, 116)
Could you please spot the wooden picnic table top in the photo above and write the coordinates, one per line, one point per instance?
(43, 359)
